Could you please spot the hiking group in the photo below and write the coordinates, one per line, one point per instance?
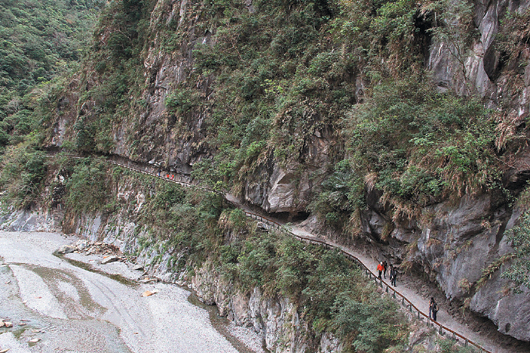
(168, 176)
(382, 268)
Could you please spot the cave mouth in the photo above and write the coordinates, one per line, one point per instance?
(291, 217)
(423, 22)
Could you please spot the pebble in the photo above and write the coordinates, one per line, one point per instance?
(148, 293)
(34, 340)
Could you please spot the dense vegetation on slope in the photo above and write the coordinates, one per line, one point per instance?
(40, 41)
(290, 71)
(285, 75)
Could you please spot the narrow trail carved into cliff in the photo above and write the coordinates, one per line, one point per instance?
(410, 299)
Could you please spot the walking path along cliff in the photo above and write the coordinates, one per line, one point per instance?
(445, 325)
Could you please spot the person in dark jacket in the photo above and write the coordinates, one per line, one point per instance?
(433, 309)
(393, 275)
(385, 265)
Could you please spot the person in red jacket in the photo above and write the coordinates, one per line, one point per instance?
(380, 268)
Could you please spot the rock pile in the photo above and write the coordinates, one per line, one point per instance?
(5, 323)
(110, 252)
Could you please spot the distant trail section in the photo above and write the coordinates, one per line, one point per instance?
(418, 305)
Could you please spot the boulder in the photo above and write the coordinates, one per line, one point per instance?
(66, 249)
(110, 259)
(81, 245)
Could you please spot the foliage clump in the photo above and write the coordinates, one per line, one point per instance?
(329, 289)
(87, 186)
(23, 172)
(422, 145)
(519, 236)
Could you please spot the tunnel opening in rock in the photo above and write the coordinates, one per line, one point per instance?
(291, 217)
(423, 22)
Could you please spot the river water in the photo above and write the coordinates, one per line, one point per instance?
(70, 309)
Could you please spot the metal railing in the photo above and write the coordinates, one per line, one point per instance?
(392, 292)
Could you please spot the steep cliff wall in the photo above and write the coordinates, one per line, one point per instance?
(280, 102)
(263, 281)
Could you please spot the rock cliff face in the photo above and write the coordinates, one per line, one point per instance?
(454, 243)
(463, 237)
(275, 319)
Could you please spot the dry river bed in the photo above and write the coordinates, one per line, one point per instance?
(56, 306)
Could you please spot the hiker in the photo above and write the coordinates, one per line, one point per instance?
(393, 275)
(380, 269)
(167, 176)
(172, 176)
(384, 269)
(433, 309)
(159, 170)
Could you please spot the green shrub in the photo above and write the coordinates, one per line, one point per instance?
(329, 289)
(519, 237)
(23, 171)
(181, 100)
(342, 193)
(421, 144)
(88, 187)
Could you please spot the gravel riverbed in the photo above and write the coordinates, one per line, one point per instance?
(56, 306)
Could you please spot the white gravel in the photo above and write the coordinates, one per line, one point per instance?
(75, 306)
(9, 341)
(36, 294)
(250, 338)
